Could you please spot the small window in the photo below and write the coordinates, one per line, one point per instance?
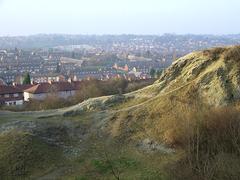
(6, 95)
(15, 95)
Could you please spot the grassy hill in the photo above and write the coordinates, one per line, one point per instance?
(184, 126)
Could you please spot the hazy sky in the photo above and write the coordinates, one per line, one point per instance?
(24, 17)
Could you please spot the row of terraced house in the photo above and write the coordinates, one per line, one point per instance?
(18, 94)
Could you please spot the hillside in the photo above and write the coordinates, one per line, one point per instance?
(190, 115)
(208, 78)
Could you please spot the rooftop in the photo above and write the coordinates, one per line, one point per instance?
(50, 87)
(9, 89)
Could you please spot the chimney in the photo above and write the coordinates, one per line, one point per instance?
(75, 78)
(70, 80)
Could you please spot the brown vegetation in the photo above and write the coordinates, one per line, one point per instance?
(231, 53)
(211, 141)
(214, 53)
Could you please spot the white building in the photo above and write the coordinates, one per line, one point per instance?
(43, 90)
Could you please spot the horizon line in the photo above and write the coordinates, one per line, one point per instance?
(118, 34)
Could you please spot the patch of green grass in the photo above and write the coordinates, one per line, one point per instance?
(107, 159)
(80, 178)
(107, 165)
(22, 155)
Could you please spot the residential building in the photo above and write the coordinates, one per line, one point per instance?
(43, 90)
(10, 95)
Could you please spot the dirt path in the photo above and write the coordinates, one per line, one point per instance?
(151, 99)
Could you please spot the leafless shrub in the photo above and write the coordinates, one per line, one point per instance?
(208, 136)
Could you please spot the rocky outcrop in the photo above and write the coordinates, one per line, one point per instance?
(214, 73)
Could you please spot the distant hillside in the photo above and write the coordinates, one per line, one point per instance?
(197, 42)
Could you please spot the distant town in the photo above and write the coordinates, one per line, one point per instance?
(60, 57)
(73, 58)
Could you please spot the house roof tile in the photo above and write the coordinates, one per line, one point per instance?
(50, 87)
(9, 89)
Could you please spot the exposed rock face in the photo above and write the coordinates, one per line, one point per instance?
(152, 146)
(214, 73)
